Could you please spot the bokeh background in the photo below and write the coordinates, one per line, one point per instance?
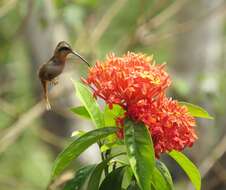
(190, 35)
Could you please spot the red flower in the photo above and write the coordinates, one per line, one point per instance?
(138, 85)
(128, 79)
(170, 124)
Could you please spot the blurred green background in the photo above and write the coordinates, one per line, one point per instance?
(190, 35)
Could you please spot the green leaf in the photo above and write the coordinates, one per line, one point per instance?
(140, 152)
(77, 133)
(127, 176)
(196, 111)
(95, 178)
(189, 168)
(81, 111)
(77, 147)
(105, 147)
(133, 186)
(90, 104)
(165, 172)
(113, 180)
(110, 142)
(161, 177)
(111, 114)
(80, 177)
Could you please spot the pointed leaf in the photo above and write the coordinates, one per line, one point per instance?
(95, 178)
(77, 147)
(189, 168)
(128, 176)
(113, 180)
(80, 177)
(196, 111)
(90, 104)
(161, 177)
(133, 186)
(165, 172)
(81, 111)
(105, 147)
(111, 114)
(78, 133)
(140, 152)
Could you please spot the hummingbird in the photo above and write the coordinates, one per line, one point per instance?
(49, 71)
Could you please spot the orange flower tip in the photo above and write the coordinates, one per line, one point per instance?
(110, 55)
(84, 80)
(110, 106)
(120, 133)
(150, 58)
(163, 65)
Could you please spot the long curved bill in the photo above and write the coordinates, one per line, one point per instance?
(75, 53)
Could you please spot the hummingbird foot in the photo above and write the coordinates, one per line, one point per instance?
(54, 82)
(47, 104)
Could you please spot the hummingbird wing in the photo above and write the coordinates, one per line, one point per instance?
(50, 70)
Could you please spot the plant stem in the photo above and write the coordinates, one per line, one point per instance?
(103, 157)
(107, 154)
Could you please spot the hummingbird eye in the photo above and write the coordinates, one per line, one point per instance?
(64, 49)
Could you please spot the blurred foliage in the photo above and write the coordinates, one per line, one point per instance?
(26, 165)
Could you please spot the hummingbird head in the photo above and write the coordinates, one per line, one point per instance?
(63, 49)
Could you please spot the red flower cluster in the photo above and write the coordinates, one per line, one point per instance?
(138, 85)
(127, 80)
(170, 124)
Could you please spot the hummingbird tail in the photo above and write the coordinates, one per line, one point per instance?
(45, 89)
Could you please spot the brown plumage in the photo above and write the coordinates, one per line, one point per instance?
(54, 67)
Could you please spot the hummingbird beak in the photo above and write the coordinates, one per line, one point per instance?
(75, 53)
